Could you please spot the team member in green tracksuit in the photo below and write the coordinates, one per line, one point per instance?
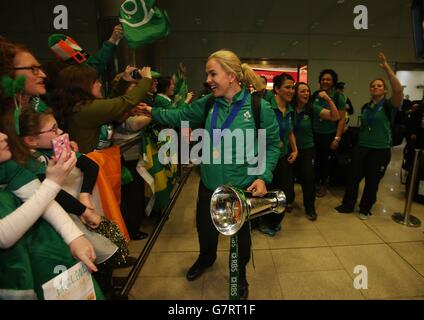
(305, 112)
(165, 90)
(327, 134)
(283, 173)
(226, 77)
(267, 95)
(372, 155)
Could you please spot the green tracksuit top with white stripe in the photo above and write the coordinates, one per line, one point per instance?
(375, 131)
(235, 173)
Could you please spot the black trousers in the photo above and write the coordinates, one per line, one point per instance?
(208, 234)
(323, 157)
(304, 169)
(133, 200)
(370, 164)
(282, 180)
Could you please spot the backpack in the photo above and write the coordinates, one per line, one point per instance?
(396, 124)
(256, 108)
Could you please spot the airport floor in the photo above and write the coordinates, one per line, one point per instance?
(305, 260)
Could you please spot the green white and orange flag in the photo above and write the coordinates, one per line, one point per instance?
(143, 22)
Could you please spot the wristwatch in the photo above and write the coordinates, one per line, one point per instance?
(338, 139)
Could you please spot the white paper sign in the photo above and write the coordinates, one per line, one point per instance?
(72, 284)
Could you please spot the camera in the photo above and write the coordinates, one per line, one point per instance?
(135, 74)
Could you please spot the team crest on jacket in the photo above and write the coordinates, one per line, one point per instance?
(247, 116)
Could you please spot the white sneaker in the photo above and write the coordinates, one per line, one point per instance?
(364, 216)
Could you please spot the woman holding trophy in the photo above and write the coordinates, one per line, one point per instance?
(230, 108)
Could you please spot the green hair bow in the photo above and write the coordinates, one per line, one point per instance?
(11, 88)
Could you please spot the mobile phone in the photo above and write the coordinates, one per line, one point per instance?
(61, 144)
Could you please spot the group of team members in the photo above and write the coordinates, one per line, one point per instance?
(301, 131)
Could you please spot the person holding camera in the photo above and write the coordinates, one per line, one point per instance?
(81, 109)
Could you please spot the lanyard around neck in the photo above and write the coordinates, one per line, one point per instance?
(235, 109)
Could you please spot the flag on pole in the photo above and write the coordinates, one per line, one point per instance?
(143, 22)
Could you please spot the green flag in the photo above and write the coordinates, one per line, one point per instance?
(143, 22)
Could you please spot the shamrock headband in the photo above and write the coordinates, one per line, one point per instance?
(11, 88)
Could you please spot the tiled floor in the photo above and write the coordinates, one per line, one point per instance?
(306, 260)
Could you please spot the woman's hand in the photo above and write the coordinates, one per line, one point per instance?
(324, 96)
(58, 171)
(139, 109)
(145, 110)
(189, 97)
(90, 218)
(146, 73)
(258, 188)
(74, 146)
(127, 74)
(383, 62)
(83, 250)
(292, 157)
(117, 35)
(334, 145)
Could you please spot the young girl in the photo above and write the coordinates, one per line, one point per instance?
(30, 249)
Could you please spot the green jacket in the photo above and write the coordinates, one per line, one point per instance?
(375, 131)
(235, 173)
(162, 102)
(14, 175)
(88, 117)
(102, 57)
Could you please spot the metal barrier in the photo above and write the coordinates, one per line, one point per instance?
(406, 218)
(132, 276)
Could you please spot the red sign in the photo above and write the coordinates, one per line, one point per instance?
(270, 74)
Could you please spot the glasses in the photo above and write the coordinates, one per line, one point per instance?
(34, 69)
(54, 129)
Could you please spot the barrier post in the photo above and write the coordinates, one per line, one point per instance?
(406, 218)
